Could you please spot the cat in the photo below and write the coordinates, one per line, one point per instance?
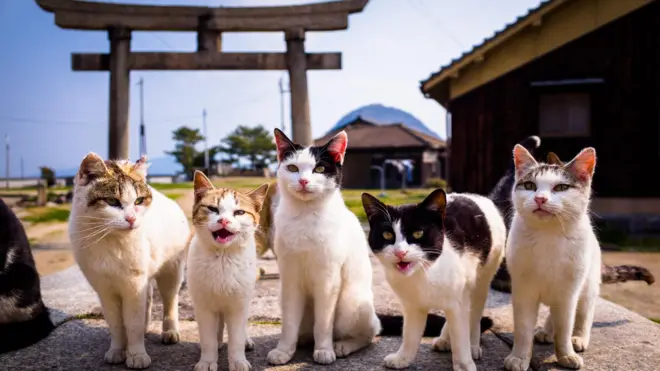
(553, 256)
(501, 196)
(24, 319)
(322, 255)
(221, 257)
(264, 235)
(123, 234)
(439, 254)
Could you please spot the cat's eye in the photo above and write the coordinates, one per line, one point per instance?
(388, 235)
(530, 186)
(239, 212)
(213, 209)
(113, 202)
(561, 187)
(292, 168)
(139, 200)
(319, 169)
(418, 234)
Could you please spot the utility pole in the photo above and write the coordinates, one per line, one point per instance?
(143, 136)
(206, 145)
(7, 159)
(282, 91)
(22, 174)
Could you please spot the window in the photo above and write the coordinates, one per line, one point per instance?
(565, 115)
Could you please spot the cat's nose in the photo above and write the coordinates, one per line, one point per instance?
(303, 182)
(540, 200)
(130, 219)
(223, 222)
(400, 254)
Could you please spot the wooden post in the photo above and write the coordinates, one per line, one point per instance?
(120, 47)
(208, 40)
(301, 127)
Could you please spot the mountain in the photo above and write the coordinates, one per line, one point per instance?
(382, 115)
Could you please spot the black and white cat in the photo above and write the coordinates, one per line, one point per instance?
(24, 319)
(439, 254)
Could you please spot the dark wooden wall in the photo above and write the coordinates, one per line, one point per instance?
(625, 111)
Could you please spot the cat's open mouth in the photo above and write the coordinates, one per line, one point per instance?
(404, 267)
(223, 236)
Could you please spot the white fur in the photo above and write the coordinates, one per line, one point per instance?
(555, 260)
(221, 283)
(119, 261)
(454, 283)
(323, 259)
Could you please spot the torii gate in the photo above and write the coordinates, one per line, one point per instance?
(209, 23)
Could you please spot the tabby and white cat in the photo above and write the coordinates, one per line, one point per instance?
(553, 256)
(322, 255)
(221, 264)
(439, 254)
(24, 319)
(124, 233)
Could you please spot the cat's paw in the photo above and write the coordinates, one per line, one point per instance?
(470, 366)
(137, 360)
(441, 345)
(206, 366)
(513, 363)
(543, 337)
(242, 365)
(170, 337)
(477, 353)
(278, 357)
(249, 344)
(115, 356)
(572, 361)
(343, 348)
(324, 356)
(396, 361)
(579, 344)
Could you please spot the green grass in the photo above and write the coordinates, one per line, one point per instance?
(656, 320)
(174, 195)
(47, 214)
(353, 198)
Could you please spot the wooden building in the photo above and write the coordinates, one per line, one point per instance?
(575, 72)
(371, 144)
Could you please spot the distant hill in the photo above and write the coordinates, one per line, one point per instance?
(382, 115)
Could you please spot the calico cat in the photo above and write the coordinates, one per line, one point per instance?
(439, 254)
(221, 260)
(322, 256)
(553, 256)
(24, 319)
(123, 234)
(501, 196)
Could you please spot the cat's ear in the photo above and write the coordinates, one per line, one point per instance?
(201, 185)
(523, 160)
(553, 159)
(337, 147)
(372, 206)
(91, 167)
(436, 201)
(140, 167)
(583, 165)
(259, 195)
(283, 144)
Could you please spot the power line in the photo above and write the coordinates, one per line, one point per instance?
(434, 22)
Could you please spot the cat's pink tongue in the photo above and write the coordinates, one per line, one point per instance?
(404, 266)
(223, 236)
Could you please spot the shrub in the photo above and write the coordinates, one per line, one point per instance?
(436, 183)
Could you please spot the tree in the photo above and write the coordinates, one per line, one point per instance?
(48, 174)
(254, 144)
(185, 153)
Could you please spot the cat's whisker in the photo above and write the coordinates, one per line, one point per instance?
(95, 233)
(89, 229)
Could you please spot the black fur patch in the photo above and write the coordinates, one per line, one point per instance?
(467, 227)
(393, 325)
(19, 279)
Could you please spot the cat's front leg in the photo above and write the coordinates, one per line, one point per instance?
(207, 324)
(134, 306)
(237, 337)
(525, 312)
(325, 305)
(414, 323)
(584, 318)
(293, 304)
(112, 313)
(458, 320)
(563, 316)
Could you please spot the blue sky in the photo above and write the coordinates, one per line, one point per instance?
(53, 116)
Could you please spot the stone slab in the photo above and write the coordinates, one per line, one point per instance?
(81, 344)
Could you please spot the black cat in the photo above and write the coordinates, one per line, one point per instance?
(24, 319)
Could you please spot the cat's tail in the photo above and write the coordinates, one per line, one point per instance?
(623, 273)
(393, 325)
(18, 335)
